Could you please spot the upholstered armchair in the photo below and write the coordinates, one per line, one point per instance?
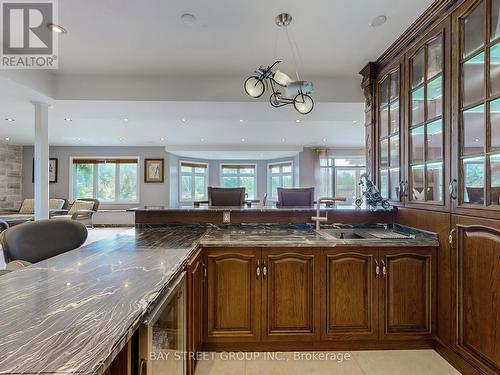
(27, 209)
(81, 210)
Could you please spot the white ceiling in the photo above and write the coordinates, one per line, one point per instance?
(231, 37)
(135, 59)
(101, 123)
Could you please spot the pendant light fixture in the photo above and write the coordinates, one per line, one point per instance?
(284, 89)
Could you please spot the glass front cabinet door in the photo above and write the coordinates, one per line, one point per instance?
(389, 136)
(427, 164)
(476, 179)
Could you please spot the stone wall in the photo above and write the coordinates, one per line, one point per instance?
(11, 163)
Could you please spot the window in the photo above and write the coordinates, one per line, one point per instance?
(193, 181)
(109, 180)
(340, 178)
(237, 175)
(279, 175)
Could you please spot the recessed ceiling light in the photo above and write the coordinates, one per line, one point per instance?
(78, 139)
(7, 138)
(162, 139)
(378, 21)
(57, 28)
(9, 119)
(476, 140)
(324, 140)
(243, 139)
(202, 139)
(67, 119)
(183, 120)
(121, 139)
(297, 121)
(188, 19)
(125, 119)
(283, 140)
(354, 121)
(241, 121)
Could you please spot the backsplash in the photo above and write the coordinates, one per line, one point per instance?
(11, 162)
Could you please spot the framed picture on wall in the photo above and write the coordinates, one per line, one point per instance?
(153, 170)
(52, 170)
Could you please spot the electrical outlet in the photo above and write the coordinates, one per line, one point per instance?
(226, 217)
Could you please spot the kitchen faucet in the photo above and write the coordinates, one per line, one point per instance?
(318, 218)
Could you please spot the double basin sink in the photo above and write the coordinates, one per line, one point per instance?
(363, 234)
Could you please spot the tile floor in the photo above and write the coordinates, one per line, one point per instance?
(386, 362)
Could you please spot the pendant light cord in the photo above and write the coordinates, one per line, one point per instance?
(292, 49)
(299, 56)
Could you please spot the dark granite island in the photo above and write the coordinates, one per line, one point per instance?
(73, 313)
(257, 215)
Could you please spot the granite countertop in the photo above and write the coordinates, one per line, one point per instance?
(304, 235)
(72, 313)
(254, 209)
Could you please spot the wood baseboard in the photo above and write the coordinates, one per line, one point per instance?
(455, 360)
(319, 346)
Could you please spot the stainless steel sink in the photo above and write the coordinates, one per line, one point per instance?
(346, 234)
(363, 234)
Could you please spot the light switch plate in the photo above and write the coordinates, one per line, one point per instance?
(226, 217)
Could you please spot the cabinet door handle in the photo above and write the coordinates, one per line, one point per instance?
(404, 188)
(384, 269)
(264, 269)
(451, 237)
(205, 272)
(452, 188)
(377, 269)
(258, 269)
(143, 368)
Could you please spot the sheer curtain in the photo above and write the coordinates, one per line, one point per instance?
(323, 173)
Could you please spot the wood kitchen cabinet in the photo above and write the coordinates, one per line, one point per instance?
(389, 134)
(305, 298)
(476, 275)
(232, 295)
(378, 294)
(427, 141)
(476, 107)
(290, 294)
(408, 293)
(195, 282)
(349, 295)
(276, 287)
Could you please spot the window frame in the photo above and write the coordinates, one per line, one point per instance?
(193, 175)
(72, 192)
(334, 168)
(238, 175)
(358, 191)
(281, 175)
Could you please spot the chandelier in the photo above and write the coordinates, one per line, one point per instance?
(285, 90)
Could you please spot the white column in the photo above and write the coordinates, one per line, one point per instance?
(41, 160)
